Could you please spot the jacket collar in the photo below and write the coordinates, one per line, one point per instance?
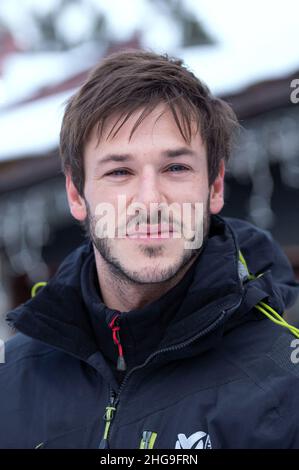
(215, 294)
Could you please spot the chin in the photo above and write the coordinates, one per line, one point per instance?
(147, 273)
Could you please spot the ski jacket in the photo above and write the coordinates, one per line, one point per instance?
(215, 373)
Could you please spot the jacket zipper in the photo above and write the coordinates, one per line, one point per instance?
(108, 418)
(114, 397)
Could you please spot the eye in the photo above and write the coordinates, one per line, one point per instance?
(118, 172)
(177, 168)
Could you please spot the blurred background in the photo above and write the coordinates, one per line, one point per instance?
(247, 53)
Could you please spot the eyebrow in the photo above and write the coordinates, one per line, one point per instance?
(178, 152)
(170, 153)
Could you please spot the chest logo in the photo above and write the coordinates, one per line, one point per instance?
(198, 440)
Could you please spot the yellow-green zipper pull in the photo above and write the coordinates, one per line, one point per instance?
(108, 417)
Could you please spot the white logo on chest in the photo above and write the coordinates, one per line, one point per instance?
(198, 440)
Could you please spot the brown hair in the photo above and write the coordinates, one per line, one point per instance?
(129, 80)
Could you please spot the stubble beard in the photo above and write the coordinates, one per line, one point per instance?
(104, 247)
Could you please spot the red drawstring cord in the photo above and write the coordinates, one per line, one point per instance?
(121, 364)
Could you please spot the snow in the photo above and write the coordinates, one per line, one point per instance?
(254, 41)
(32, 128)
(24, 74)
(229, 69)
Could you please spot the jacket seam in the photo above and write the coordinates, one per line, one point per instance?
(216, 386)
(59, 436)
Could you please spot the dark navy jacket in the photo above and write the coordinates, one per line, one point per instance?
(219, 375)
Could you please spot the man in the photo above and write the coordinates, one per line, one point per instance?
(157, 332)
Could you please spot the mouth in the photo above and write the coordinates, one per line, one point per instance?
(157, 233)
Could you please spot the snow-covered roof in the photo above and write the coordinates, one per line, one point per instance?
(33, 128)
(26, 73)
(254, 41)
(228, 69)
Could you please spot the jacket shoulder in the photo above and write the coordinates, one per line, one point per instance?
(262, 342)
(284, 352)
(22, 347)
(268, 356)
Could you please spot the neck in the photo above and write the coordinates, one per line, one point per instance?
(122, 294)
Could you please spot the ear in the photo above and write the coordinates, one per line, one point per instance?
(76, 202)
(217, 191)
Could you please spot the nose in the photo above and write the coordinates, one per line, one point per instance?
(148, 190)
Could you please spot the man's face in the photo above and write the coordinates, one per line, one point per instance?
(155, 166)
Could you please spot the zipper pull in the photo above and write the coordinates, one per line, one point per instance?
(114, 325)
(108, 417)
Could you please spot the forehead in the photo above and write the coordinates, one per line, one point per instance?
(156, 126)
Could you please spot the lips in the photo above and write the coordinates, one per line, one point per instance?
(151, 230)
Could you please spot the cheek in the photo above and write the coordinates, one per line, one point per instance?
(196, 192)
(94, 195)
